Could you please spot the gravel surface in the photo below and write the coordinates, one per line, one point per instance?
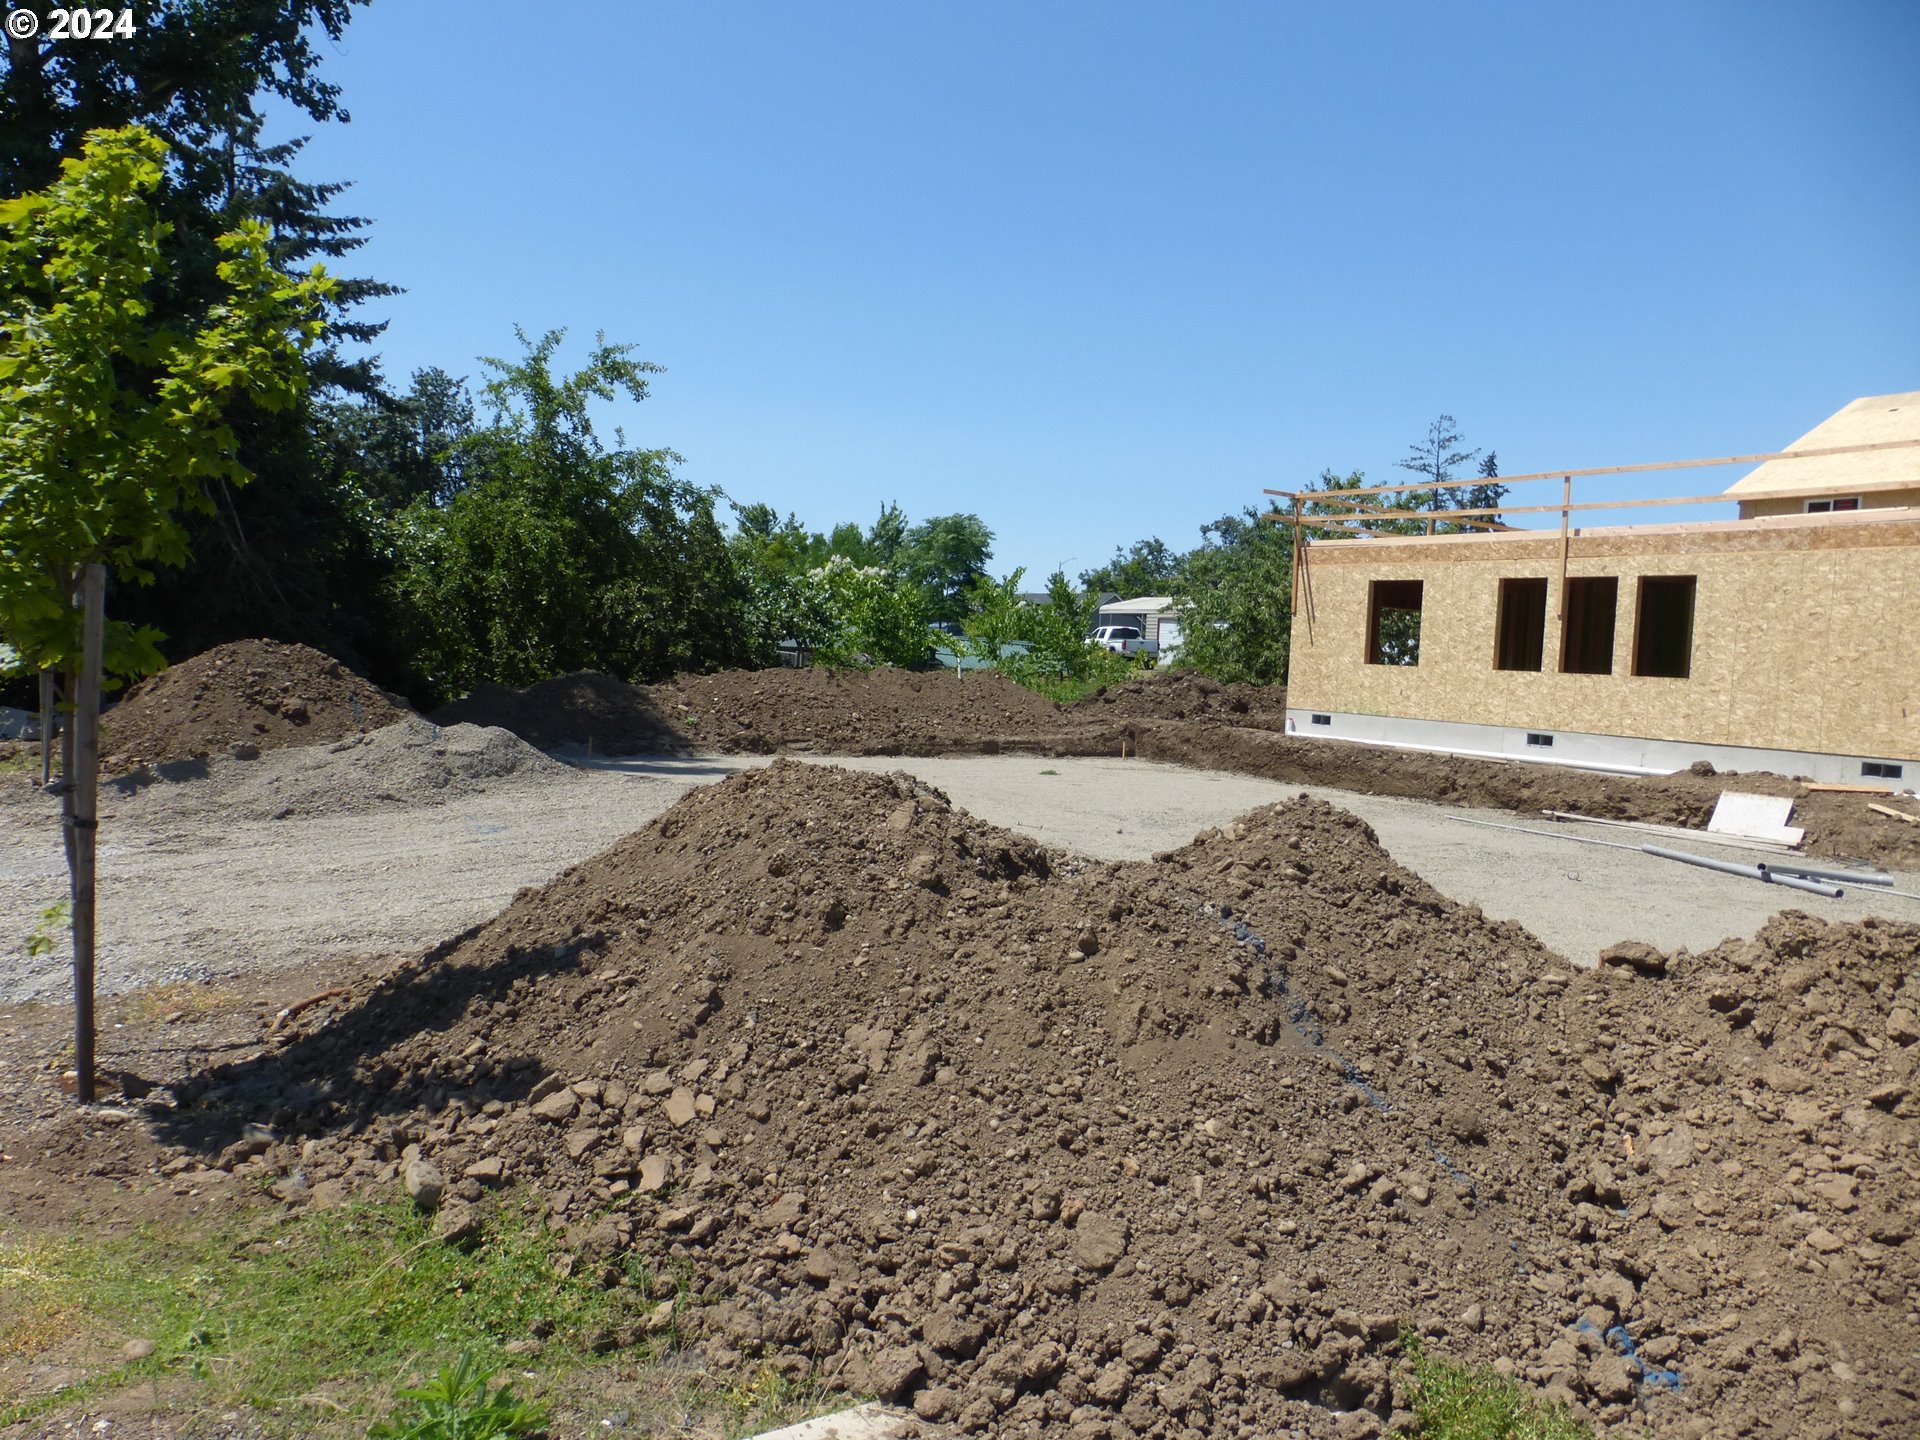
(190, 896)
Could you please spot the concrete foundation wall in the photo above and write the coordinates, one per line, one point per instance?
(1806, 635)
(1620, 754)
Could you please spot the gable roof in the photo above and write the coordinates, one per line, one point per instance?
(1871, 420)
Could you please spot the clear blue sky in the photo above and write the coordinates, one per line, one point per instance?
(1103, 270)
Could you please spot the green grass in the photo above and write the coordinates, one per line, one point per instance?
(18, 763)
(318, 1312)
(1463, 1402)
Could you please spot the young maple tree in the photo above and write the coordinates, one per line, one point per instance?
(114, 420)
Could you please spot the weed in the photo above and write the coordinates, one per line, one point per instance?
(1463, 1402)
(768, 1398)
(462, 1403)
(45, 937)
(188, 1001)
(1049, 772)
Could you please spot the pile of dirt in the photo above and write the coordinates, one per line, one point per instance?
(1144, 1149)
(258, 693)
(853, 712)
(402, 766)
(1186, 695)
(1180, 717)
(586, 708)
(877, 712)
(1839, 826)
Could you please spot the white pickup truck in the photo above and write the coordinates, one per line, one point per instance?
(1124, 640)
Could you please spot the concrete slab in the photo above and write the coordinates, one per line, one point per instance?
(872, 1421)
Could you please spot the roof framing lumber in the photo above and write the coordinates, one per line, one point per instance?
(1609, 470)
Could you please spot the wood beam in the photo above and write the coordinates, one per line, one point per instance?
(1618, 469)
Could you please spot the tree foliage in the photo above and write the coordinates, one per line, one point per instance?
(1237, 615)
(1147, 567)
(946, 557)
(116, 416)
(554, 552)
(1437, 458)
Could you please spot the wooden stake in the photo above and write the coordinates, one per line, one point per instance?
(82, 797)
(46, 727)
(1566, 500)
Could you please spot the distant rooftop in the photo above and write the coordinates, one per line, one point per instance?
(1871, 420)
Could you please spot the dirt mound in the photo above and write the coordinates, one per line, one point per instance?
(1146, 1149)
(854, 712)
(252, 692)
(1837, 825)
(878, 712)
(401, 766)
(586, 708)
(1186, 695)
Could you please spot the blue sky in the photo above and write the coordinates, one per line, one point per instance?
(1097, 271)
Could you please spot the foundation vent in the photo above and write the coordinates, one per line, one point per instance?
(1545, 742)
(1880, 770)
(1323, 719)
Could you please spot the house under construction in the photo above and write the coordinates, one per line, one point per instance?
(1787, 639)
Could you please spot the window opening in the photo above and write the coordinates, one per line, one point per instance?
(1535, 738)
(1393, 622)
(1663, 629)
(1880, 769)
(1322, 719)
(1823, 507)
(1586, 642)
(1522, 625)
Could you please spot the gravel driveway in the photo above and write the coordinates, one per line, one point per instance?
(193, 897)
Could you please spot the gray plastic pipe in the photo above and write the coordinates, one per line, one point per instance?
(1852, 877)
(1751, 872)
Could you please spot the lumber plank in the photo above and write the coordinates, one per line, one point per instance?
(1896, 814)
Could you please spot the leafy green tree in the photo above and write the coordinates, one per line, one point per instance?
(1330, 482)
(997, 617)
(946, 556)
(556, 553)
(294, 554)
(1147, 567)
(870, 617)
(115, 420)
(887, 536)
(1238, 611)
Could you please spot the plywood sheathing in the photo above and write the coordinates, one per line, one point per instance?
(1805, 633)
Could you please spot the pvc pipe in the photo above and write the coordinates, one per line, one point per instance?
(1750, 872)
(1811, 873)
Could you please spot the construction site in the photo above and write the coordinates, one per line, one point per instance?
(1146, 1066)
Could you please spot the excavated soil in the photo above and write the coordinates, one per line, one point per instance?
(400, 767)
(1169, 1148)
(258, 693)
(586, 708)
(1186, 695)
(1178, 717)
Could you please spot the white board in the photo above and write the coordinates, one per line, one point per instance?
(1756, 817)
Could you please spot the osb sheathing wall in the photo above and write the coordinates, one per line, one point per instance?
(1770, 505)
(1803, 639)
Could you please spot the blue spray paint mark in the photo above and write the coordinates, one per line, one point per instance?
(1306, 1024)
(1648, 1374)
